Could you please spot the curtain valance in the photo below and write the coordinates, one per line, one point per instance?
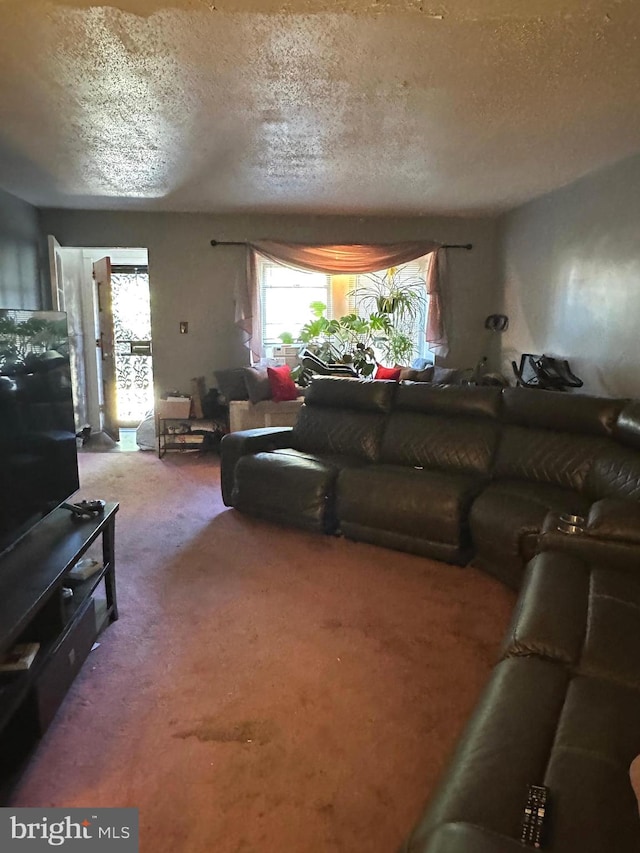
(344, 259)
(340, 259)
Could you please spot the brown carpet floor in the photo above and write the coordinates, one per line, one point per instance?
(264, 689)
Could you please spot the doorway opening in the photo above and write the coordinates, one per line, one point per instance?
(131, 305)
(106, 294)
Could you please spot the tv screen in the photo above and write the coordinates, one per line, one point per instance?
(38, 456)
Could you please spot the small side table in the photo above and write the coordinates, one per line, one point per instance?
(183, 433)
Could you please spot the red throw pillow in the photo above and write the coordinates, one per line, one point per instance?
(282, 385)
(387, 373)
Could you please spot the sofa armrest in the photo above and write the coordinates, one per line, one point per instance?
(610, 534)
(464, 838)
(614, 519)
(237, 444)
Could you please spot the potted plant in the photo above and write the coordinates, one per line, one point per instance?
(402, 301)
(350, 339)
(392, 294)
(22, 341)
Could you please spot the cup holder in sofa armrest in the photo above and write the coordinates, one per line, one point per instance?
(610, 532)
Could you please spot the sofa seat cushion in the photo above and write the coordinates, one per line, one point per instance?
(592, 801)
(466, 838)
(289, 487)
(505, 747)
(507, 518)
(333, 460)
(585, 617)
(415, 502)
(537, 725)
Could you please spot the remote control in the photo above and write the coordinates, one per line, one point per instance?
(92, 506)
(535, 811)
(84, 509)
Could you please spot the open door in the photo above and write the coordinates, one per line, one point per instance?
(55, 274)
(106, 344)
(67, 295)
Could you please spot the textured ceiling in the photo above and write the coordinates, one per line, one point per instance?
(397, 107)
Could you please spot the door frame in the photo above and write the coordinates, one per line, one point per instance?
(79, 260)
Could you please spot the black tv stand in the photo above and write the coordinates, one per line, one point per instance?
(34, 609)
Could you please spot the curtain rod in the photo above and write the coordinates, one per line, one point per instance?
(214, 243)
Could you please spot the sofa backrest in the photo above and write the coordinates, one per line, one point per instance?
(562, 412)
(589, 444)
(553, 437)
(446, 428)
(344, 416)
(616, 472)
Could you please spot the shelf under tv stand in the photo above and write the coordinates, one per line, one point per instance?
(34, 609)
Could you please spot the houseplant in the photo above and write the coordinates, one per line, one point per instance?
(402, 300)
(390, 305)
(29, 340)
(350, 339)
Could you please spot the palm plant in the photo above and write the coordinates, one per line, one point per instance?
(402, 301)
(390, 293)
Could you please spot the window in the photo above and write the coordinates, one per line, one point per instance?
(285, 297)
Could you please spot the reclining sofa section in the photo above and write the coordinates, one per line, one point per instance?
(449, 472)
(392, 465)
(561, 709)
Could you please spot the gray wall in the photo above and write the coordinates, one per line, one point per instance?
(192, 281)
(572, 278)
(20, 252)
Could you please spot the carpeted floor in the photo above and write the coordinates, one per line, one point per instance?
(264, 689)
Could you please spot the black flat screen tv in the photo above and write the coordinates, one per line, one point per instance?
(38, 455)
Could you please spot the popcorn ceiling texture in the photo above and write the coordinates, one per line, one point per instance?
(319, 107)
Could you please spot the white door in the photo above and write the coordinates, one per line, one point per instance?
(67, 295)
(55, 271)
(106, 344)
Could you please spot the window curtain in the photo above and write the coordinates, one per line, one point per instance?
(248, 316)
(337, 259)
(435, 332)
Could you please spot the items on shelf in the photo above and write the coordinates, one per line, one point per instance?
(174, 406)
(84, 569)
(20, 657)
